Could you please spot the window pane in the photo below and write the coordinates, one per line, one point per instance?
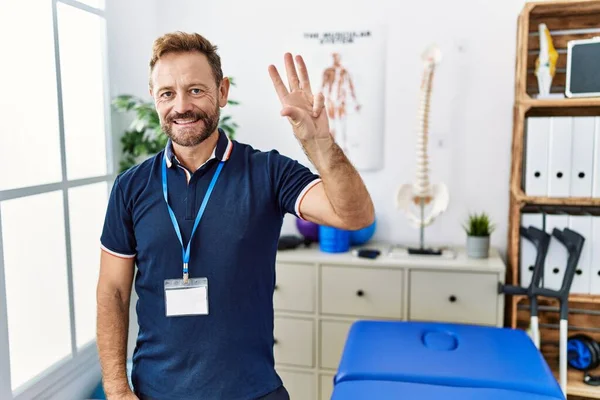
(87, 206)
(81, 43)
(29, 139)
(37, 300)
(93, 3)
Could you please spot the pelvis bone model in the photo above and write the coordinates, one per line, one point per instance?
(421, 201)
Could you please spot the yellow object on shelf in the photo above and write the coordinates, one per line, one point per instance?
(545, 64)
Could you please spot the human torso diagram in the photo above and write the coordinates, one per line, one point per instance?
(338, 89)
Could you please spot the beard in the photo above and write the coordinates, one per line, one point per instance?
(189, 136)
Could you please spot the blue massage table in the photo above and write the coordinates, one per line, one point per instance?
(387, 360)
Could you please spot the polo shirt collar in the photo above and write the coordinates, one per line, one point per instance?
(222, 150)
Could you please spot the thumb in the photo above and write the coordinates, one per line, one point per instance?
(319, 103)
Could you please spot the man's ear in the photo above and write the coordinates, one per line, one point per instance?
(224, 91)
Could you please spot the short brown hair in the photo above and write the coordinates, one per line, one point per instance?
(179, 42)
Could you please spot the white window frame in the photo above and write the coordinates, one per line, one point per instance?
(81, 360)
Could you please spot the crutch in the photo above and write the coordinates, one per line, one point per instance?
(573, 242)
(541, 240)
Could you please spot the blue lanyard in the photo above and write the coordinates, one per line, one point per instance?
(186, 251)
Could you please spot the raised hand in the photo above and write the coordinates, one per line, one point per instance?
(299, 105)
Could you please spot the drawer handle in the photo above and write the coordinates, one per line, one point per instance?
(276, 287)
(452, 299)
(275, 341)
(360, 293)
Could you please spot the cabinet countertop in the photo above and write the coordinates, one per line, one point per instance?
(397, 258)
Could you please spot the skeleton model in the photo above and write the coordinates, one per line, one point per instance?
(421, 201)
(545, 65)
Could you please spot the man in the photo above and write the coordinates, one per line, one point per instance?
(336, 83)
(205, 308)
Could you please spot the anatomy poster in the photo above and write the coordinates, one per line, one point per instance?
(348, 66)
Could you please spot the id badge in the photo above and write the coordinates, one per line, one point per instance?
(186, 298)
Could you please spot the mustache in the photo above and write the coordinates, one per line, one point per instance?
(187, 115)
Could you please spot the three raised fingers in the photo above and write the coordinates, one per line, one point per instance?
(292, 75)
(304, 81)
(294, 81)
(277, 83)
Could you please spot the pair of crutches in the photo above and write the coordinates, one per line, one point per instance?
(573, 242)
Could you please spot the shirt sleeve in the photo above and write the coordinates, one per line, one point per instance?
(291, 181)
(118, 236)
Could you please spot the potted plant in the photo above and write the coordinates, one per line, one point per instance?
(144, 137)
(478, 228)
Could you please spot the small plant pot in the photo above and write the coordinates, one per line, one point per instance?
(478, 246)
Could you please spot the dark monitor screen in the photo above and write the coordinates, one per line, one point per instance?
(584, 69)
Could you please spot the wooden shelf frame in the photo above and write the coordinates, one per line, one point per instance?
(525, 106)
(561, 16)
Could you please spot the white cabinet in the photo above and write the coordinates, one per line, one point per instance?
(319, 295)
(349, 290)
(294, 341)
(300, 385)
(295, 287)
(465, 297)
(333, 337)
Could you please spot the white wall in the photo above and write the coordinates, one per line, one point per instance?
(132, 26)
(471, 109)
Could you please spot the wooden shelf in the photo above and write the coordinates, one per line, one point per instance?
(562, 8)
(588, 106)
(562, 201)
(584, 298)
(567, 20)
(562, 103)
(521, 197)
(575, 385)
(573, 298)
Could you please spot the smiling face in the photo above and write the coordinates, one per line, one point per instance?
(187, 97)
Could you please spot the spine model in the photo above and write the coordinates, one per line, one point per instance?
(421, 193)
(421, 188)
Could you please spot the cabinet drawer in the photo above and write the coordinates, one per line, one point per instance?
(365, 292)
(453, 297)
(295, 288)
(333, 339)
(300, 385)
(294, 342)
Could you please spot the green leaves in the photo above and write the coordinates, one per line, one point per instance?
(144, 136)
(124, 103)
(478, 225)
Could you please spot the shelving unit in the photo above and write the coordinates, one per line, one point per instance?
(566, 20)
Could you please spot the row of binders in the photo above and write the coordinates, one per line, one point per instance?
(587, 276)
(562, 156)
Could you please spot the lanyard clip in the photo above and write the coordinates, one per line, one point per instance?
(185, 273)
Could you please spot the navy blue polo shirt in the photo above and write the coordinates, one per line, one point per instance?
(227, 354)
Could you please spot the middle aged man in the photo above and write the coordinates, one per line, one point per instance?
(201, 220)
